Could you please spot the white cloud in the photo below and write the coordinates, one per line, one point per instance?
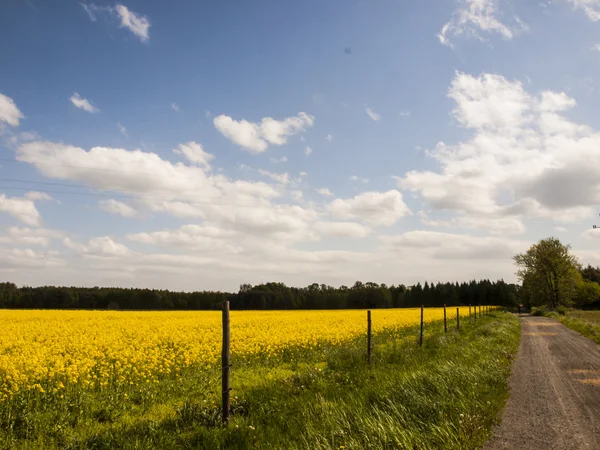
(23, 208)
(329, 138)
(282, 178)
(195, 154)
(17, 258)
(325, 192)
(122, 129)
(278, 160)
(476, 16)
(103, 246)
(194, 237)
(376, 208)
(372, 114)
(116, 207)
(175, 107)
(136, 23)
(560, 229)
(83, 103)
(29, 236)
(9, 113)
(591, 8)
(523, 161)
(256, 137)
(357, 178)
(404, 113)
(342, 229)
(454, 246)
(307, 151)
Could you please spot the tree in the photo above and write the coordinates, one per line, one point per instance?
(550, 273)
(588, 293)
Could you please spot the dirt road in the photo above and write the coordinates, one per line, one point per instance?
(554, 391)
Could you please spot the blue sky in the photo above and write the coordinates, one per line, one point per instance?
(204, 145)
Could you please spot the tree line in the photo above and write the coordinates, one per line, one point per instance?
(268, 296)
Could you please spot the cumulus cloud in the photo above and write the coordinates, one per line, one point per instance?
(329, 138)
(83, 103)
(376, 208)
(29, 236)
(103, 247)
(9, 113)
(17, 258)
(23, 208)
(195, 154)
(474, 17)
(116, 207)
(307, 151)
(524, 160)
(256, 137)
(342, 229)
(454, 246)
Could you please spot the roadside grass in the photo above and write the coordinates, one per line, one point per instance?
(444, 395)
(586, 323)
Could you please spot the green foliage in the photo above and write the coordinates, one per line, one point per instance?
(538, 311)
(549, 273)
(560, 309)
(264, 296)
(588, 293)
(446, 394)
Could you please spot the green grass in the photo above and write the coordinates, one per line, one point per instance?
(586, 323)
(446, 394)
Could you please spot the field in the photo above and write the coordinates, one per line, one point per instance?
(80, 379)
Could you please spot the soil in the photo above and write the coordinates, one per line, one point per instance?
(554, 391)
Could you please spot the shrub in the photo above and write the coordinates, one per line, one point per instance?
(562, 310)
(538, 311)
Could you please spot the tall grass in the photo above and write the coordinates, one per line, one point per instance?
(446, 394)
(586, 323)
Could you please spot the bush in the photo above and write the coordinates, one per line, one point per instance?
(562, 310)
(538, 311)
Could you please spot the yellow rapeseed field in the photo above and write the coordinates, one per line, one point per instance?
(47, 351)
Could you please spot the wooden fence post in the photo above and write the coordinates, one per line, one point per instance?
(225, 364)
(457, 318)
(369, 341)
(421, 335)
(445, 326)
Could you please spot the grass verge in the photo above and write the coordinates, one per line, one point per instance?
(586, 323)
(444, 395)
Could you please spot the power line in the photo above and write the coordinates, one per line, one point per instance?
(122, 197)
(129, 172)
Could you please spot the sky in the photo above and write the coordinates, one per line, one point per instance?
(202, 145)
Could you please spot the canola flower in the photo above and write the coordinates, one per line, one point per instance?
(46, 351)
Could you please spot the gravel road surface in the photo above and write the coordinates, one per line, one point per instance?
(554, 391)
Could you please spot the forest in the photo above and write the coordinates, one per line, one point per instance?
(262, 297)
(273, 296)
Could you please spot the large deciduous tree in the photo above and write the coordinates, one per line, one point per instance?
(550, 273)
